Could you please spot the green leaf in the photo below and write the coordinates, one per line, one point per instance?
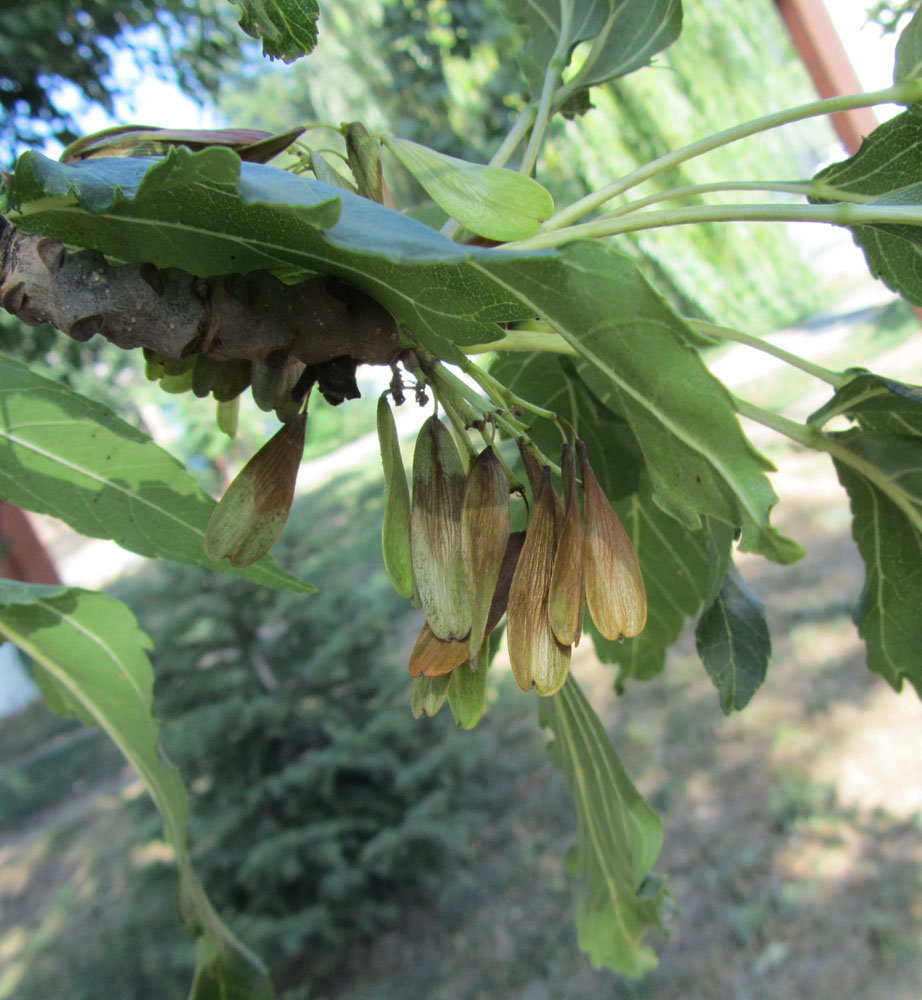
(75, 459)
(638, 358)
(17, 592)
(908, 63)
(625, 35)
(882, 474)
(207, 214)
(288, 28)
(87, 648)
(733, 643)
(879, 404)
(544, 29)
(634, 31)
(493, 202)
(887, 168)
(620, 837)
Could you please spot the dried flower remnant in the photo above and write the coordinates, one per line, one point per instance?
(484, 536)
(252, 513)
(615, 590)
(435, 532)
(537, 658)
(567, 592)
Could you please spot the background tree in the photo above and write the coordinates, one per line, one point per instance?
(52, 43)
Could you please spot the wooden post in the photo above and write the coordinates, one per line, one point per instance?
(22, 554)
(815, 37)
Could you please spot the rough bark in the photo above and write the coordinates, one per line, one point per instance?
(254, 317)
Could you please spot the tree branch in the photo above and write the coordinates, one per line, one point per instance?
(254, 317)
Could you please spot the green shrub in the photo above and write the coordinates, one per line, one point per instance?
(321, 809)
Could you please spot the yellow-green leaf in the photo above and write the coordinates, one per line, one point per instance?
(493, 202)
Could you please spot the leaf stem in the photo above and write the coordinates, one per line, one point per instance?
(809, 189)
(800, 433)
(841, 214)
(577, 82)
(905, 92)
(834, 379)
(552, 76)
(819, 441)
(501, 395)
(525, 340)
(449, 405)
(515, 136)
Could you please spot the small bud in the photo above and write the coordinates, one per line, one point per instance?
(435, 532)
(225, 380)
(484, 534)
(614, 585)
(567, 595)
(365, 163)
(395, 524)
(271, 385)
(250, 516)
(536, 656)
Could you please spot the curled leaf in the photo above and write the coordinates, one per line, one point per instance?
(249, 144)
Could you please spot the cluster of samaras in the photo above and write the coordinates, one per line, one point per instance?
(467, 568)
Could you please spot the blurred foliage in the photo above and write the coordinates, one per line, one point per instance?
(48, 44)
(55, 770)
(890, 13)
